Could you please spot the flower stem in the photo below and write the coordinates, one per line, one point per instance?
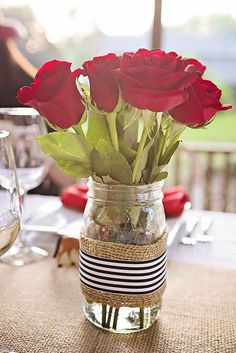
(115, 318)
(104, 314)
(165, 139)
(163, 142)
(139, 154)
(111, 119)
(109, 317)
(141, 316)
(161, 149)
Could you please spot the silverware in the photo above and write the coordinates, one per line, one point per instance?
(190, 224)
(176, 224)
(205, 223)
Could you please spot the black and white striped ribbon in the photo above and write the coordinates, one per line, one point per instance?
(122, 276)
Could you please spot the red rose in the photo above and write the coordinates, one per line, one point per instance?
(156, 80)
(104, 89)
(54, 94)
(203, 103)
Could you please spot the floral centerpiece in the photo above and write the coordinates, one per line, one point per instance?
(118, 120)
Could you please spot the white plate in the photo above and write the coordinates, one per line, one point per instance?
(52, 217)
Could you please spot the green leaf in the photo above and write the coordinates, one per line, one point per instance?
(176, 129)
(166, 121)
(103, 218)
(116, 214)
(97, 128)
(74, 169)
(99, 164)
(106, 160)
(127, 151)
(131, 135)
(132, 117)
(152, 172)
(143, 161)
(97, 178)
(125, 148)
(149, 121)
(152, 154)
(134, 213)
(168, 153)
(160, 176)
(127, 125)
(145, 176)
(108, 180)
(158, 119)
(65, 146)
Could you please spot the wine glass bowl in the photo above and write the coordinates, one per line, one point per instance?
(25, 125)
(9, 229)
(10, 203)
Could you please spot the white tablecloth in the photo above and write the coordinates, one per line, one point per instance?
(221, 252)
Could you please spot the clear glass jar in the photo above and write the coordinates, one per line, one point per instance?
(129, 214)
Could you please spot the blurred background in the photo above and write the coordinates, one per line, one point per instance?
(76, 30)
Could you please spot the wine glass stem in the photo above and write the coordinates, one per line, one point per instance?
(22, 242)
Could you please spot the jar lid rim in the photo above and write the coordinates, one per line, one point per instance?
(125, 187)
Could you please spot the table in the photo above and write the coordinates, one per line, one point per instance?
(221, 252)
(41, 307)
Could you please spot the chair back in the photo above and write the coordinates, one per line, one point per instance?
(208, 172)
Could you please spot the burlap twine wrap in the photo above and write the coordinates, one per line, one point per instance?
(127, 252)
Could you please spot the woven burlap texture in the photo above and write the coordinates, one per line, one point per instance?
(41, 312)
(117, 301)
(121, 251)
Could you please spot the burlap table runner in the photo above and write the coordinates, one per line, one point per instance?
(41, 312)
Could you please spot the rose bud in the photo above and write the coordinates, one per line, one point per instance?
(104, 89)
(201, 106)
(54, 94)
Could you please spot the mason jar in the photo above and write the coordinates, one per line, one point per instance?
(123, 255)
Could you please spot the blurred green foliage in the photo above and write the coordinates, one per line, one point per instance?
(222, 129)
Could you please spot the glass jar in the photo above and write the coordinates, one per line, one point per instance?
(116, 215)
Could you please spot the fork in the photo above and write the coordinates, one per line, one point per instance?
(190, 224)
(205, 223)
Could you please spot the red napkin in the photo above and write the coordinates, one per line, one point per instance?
(174, 199)
(75, 196)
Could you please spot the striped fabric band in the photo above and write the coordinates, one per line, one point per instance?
(122, 276)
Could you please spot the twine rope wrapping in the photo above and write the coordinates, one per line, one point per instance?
(119, 274)
(121, 251)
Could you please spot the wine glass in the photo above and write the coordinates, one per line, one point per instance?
(25, 125)
(10, 205)
(10, 202)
